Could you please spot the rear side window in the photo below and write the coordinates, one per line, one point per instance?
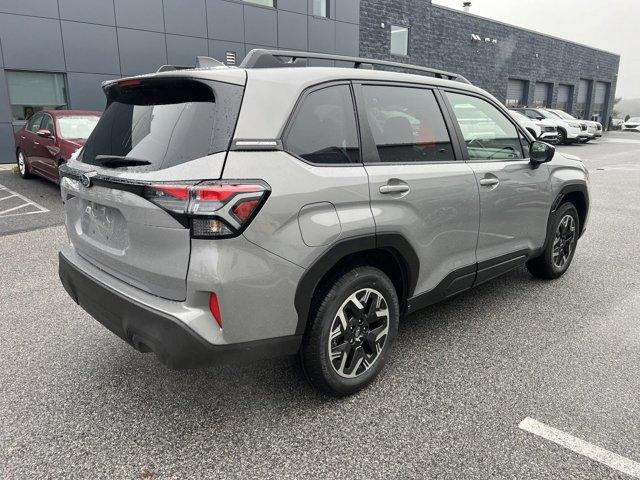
(324, 128)
(407, 124)
(164, 122)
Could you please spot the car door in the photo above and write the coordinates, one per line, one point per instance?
(419, 185)
(515, 195)
(46, 150)
(29, 140)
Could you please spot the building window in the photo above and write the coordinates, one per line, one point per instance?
(30, 92)
(321, 8)
(399, 40)
(266, 3)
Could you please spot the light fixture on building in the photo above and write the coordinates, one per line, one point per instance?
(466, 6)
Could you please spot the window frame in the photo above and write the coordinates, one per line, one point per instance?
(501, 108)
(369, 149)
(327, 6)
(282, 138)
(408, 27)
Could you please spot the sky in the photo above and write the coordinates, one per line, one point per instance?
(612, 25)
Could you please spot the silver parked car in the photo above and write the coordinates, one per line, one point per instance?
(273, 209)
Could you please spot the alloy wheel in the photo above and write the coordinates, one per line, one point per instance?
(22, 166)
(564, 241)
(358, 333)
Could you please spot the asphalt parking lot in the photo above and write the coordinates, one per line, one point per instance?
(77, 402)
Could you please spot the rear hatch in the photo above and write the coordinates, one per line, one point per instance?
(155, 130)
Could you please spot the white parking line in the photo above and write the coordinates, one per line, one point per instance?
(27, 203)
(589, 450)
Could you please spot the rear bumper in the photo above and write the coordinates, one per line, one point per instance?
(147, 329)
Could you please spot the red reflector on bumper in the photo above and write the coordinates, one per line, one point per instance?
(215, 308)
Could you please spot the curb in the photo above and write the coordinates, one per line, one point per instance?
(8, 167)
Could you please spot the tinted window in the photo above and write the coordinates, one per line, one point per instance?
(407, 124)
(47, 124)
(324, 128)
(165, 122)
(485, 129)
(33, 125)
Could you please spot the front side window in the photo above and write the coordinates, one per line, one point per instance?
(407, 124)
(399, 40)
(321, 8)
(30, 92)
(487, 132)
(33, 124)
(47, 124)
(324, 129)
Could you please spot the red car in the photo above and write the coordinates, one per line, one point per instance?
(50, 138)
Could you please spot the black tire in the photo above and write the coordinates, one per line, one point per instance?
(562, 137)
(554, 261)
(23, 165)
(354, 341)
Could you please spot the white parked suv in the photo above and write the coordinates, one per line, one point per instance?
(542, 129)
(632, 124)
(569, 131)
(594, 129)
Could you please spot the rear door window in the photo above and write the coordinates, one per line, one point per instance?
(407, 124)
(164, 122)
(324, 128)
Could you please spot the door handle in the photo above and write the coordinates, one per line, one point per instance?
(394, 188)
(36, 143)
(489, 182)
(22, 137)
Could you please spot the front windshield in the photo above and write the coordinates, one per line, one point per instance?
(77, 127)
(563, 115)
(519, 117)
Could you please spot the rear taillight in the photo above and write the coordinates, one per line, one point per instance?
(213, 209)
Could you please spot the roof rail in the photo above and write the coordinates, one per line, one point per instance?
(260, 58)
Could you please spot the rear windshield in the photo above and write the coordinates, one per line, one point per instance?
(160, 123)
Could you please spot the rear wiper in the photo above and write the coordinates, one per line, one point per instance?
(116, 161)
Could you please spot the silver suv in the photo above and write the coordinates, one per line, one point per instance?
(232, 213)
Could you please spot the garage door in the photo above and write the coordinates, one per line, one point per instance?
(515, 93)
(564, 98)
(541, 94)
(600, 100)
(583, 98)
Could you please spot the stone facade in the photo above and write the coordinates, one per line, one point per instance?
(444, 38)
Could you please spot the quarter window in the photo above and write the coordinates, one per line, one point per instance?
(487, 132)
(399, 40)
(407, 124)
(30, 92)
(324, 129)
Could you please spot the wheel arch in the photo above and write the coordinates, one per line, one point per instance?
(578, 195)
(390, 252)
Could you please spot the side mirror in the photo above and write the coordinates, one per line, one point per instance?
(44, 133)
(541, 152)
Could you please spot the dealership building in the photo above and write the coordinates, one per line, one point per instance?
(56, 53)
